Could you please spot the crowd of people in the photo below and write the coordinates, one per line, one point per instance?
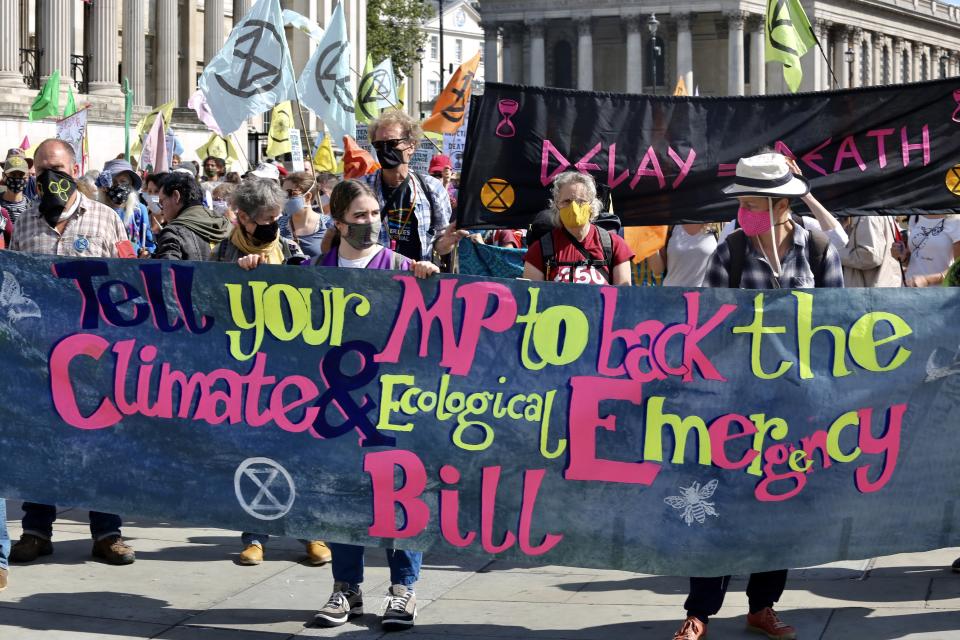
(398, 219)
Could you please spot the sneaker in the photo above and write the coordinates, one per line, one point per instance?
(252, 554)
(344, 604)
(956, 566)
(401, 608)
(692, 629)
(318, 553)
(30, 547)
(113, 550)
(3, 579)
(767, 622)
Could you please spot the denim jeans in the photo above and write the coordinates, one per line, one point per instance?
(348, 565)
(38, 520)
(4, 536)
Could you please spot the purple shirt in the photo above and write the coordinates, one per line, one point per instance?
(383, 260)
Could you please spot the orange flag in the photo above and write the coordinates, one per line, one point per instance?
(356, 162)
(645, 241)
(451, 106)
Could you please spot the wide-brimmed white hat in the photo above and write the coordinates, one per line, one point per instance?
(266, 170)
(767, 174)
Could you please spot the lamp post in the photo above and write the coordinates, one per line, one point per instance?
(848, 57)
(441, 44)
(420, 52)
(655, 49)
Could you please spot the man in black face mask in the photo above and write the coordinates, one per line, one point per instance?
(415, 208)
(67, 223)
(64, 222)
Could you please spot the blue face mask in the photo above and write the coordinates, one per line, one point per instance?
(294, 205)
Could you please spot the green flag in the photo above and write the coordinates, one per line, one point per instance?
(47, 103)
(367, 94)
(788, 37)
(71, 107)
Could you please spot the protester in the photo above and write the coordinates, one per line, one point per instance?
(576, 250)
(4, 545)
(301, 220)
(265, 171)
(190, 230)
(222, 206)
(415, 208)
(933, 243)
(214, 169)
(15, 172)
(868, 256)
(188, 168)
(66, 223)
(769, 251)
(357, 220)
(119, 187)
(441, 168)
(258, 203)
(683, 260)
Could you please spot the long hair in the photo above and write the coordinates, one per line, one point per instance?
(341, 198)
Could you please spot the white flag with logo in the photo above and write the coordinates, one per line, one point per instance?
(325, 84)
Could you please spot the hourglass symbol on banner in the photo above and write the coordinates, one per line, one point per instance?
(508, 108)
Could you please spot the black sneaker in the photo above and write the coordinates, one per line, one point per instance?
(956, 566)
(344, 604)
(401, 608)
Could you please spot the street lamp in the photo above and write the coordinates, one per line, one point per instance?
(655, 49)
(420, 52)
(848, 57)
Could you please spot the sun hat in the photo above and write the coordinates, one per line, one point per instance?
(767, 174)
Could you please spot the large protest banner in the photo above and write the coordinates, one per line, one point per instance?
(875, 150)
(683, 432)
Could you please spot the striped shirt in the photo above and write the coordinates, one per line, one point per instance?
(93, 231)
(796, 272)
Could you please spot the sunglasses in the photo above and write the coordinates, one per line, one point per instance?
(388, 144)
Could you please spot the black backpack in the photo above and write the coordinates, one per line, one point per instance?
(604, 266)
(817, 246)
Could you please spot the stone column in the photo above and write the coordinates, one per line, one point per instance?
(917, 49)
(512, 53)
(213, 31)
(167, 38)
(685, 50)
(10, 75)
(824, 78)
(584, 52)
(735, 53)
(54, 28)
(758, 63)
(240, 9)
(103, 48)
(840, 67)
(856, 45)
(537, 53)
(491, 51)
(634, 24)
(134, 49)
(896, 60)
(877, 41)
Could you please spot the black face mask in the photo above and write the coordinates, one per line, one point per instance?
(389, 156)
(15, 185)
(118, 194)
(266, 232)
(54, 189)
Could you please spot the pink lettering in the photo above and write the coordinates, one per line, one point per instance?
(61, 387)
(584, 165)
(720, 435)
(683, 165)
(906, 147)
(881, 136)
(848, 149)
(810, 157)
(649, 158)
(612, 180)
(381, 466)
(550, 150)
(887, 444)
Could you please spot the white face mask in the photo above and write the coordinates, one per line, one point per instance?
(153, 202)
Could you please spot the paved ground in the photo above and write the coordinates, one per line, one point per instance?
(186, 585)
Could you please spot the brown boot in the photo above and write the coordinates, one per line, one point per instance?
(767, 622)
(30, 547)
(692, 629)
(3, 579)
(318, 553)
(252, 554)
(113, 550)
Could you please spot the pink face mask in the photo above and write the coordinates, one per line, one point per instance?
(754, 223)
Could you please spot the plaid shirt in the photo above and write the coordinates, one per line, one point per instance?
(758, 274)
(421, 210)
(93, 231)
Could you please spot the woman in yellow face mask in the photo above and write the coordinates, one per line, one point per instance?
(577, 250)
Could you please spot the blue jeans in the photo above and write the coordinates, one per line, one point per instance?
(4, 536)
(348, 565)
(38, 520)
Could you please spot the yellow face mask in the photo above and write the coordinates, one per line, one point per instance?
(576, 214)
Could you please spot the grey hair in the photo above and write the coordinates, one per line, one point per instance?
(574, 177)
(256, 195)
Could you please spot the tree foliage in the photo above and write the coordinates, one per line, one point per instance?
(395, 31)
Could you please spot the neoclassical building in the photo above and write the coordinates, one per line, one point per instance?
(716, 46)
(159, 46)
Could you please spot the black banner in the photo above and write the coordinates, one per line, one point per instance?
(878, 150)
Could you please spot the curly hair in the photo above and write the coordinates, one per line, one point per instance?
(574, 177)
(411, 128)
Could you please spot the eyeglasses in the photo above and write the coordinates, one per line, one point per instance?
(388, 144)
(569, 201)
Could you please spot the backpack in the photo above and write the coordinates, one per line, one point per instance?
(604, 266)
(817, 246)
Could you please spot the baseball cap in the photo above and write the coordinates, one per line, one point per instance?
(15, 163)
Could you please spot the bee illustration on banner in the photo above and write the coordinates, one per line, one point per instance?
(14, 305)
(693, 502)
